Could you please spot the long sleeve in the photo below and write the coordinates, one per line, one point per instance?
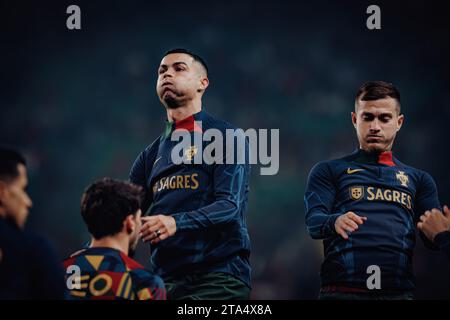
(140, 173)
(230, 189)
(230, 183)
(319, 198)
(426, 199)
(442, 240)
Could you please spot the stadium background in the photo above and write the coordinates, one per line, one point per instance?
(82, 105)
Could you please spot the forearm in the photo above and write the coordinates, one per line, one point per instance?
(319, 198)
(427, 242)
(219, 212)
(442, 240)
(320, 224)
(230, 193)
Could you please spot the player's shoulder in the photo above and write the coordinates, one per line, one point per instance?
(40, 254)
(152, 147)
(328, 165)
(135, 269)
(24, 237)
(149, 152)
(421, 178)
(130, 263)
(22, 243)
(9, 233)
(331, 167)
(425, 177)
(73, 257)
(141, 276)
(36, 244)
(210, 121)
(420, 173)
(97, 258)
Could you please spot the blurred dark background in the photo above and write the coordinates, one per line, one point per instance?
(82, 104)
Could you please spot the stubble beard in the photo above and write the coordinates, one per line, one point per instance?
(173, 99)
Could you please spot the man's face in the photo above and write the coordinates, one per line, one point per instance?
(377, 123)
(180, 79)
(134, 236)
(14, 198)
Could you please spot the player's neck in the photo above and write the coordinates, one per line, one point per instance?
(8, 219)
(389, 149)
(116, 242)
(182, 112)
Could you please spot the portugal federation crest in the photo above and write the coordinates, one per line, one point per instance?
(403, 178)
(356, 193)
(190, 153)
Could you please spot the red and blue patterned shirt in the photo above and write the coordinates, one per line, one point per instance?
(109, 274)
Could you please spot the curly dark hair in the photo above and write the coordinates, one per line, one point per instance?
(106, 203)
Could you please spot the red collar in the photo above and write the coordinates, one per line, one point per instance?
(386, 158)
(188, 124)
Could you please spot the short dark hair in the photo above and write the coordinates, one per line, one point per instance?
(375, 90)
(195, 56)
(106, 203)
(9, 160)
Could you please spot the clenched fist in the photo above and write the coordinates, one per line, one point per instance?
(348, 222)
(434, 222)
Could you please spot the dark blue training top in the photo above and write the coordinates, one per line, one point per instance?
(442, 240)
(391, 195)
(29, 268)
(208, 202)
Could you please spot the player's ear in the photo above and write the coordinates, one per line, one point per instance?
(204, 83)
(400, 120)
(354, 119)
(2, 191)
(130, 224)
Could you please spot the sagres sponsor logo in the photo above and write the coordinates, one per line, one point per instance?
(403, 178)
(381, 194)
(184, 181)
(356, 193)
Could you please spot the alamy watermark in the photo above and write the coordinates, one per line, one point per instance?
(374, 20)
(374, 280)
(235, 146)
